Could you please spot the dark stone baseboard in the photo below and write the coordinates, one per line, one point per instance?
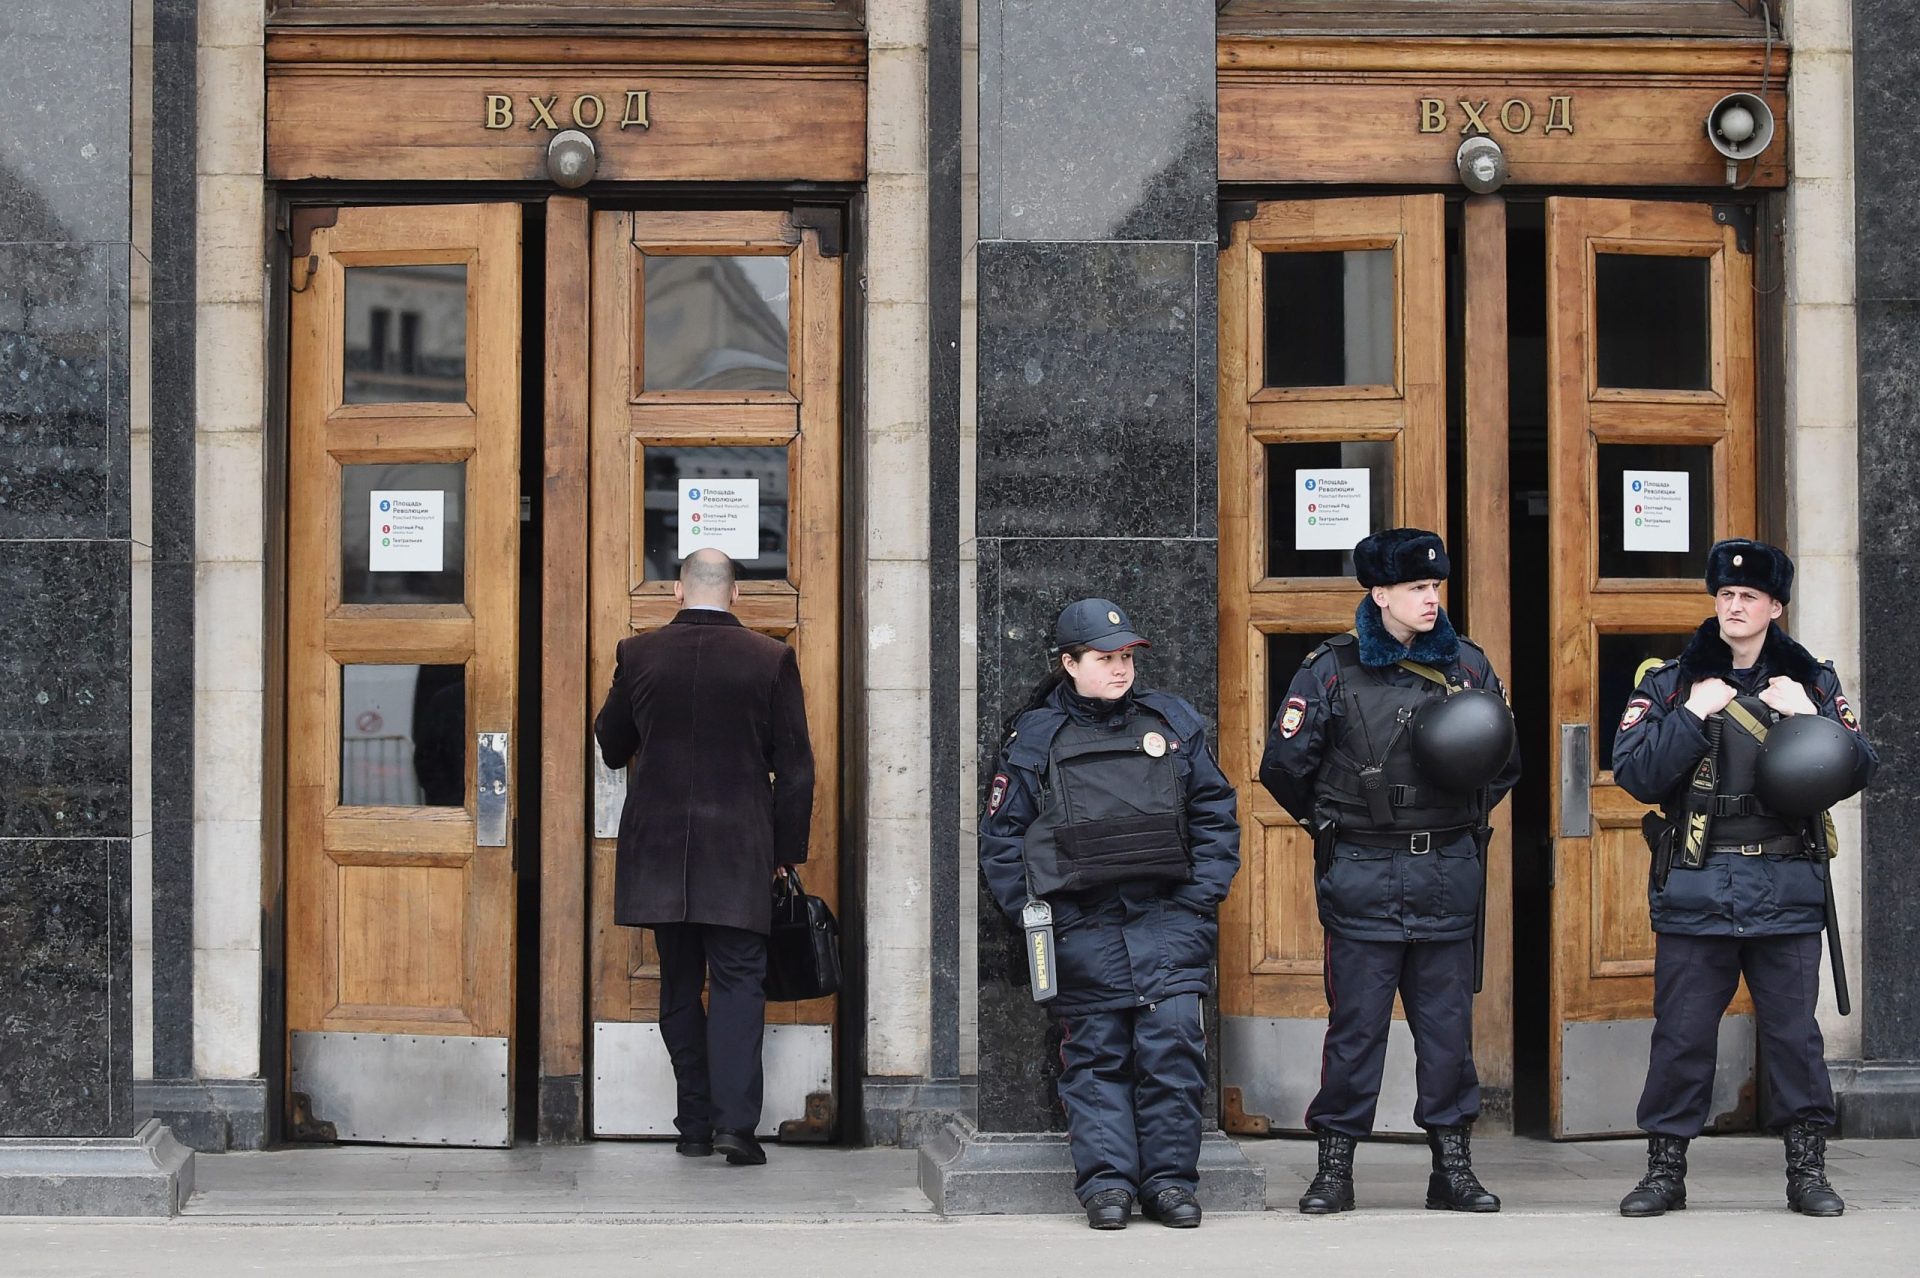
(972, 1173)
(146, 1174)
(905, 1113)
(1878, 1099)
(563, 1109)
(211, 1115)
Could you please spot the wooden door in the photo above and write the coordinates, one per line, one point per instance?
(716, 357)
(1332, 412)
(402, 616)
(1651, 429)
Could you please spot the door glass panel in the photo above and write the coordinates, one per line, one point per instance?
(403, 735)
(403, 533)
(1621, 657)
(1329, 318)
(406, 339)
(1656, 509)
(1322, 499)
(1652, 321)
(742, 511)
(714, 323)
(1285, 652)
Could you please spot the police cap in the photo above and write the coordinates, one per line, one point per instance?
(1098, 623)
(1400, 554)
(1738, 561)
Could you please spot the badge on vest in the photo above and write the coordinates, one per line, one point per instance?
(1154, 744)
(1636, 711)
(1846, 713)
(998, 794)
(1296, 714)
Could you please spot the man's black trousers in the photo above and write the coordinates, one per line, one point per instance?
(1694, 978)
(1435, 982)
(715, 1049)
(1132, 1082)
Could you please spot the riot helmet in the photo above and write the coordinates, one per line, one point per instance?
(1808, 765)
(1462, 741)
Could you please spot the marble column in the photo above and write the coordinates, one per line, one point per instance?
(1096, 425)
(66, 552)
(1882, 1098)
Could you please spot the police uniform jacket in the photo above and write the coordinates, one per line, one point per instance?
(1369, 893)
(1659, 744)
(1126, 944)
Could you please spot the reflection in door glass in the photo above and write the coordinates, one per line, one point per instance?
(1322, 499)
(1329, 318)
(403, 736)
(1621, 657)
(403, 537)
(1656, 509)
(1285, 652)
(714, 323)
(406, 338)
(1652, 322)
(734, 499)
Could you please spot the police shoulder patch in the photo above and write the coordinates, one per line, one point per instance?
(1845, 711)
(1294, 715)
(998, 794)
(1636, 711)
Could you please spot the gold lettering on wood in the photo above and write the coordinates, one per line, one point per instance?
(499, 111)
(636, 112)
(1506, 115)
(543, 112)
(1474, 123)
(1559, 114)
(1515, 116)
(1433, 115)
(580, 111)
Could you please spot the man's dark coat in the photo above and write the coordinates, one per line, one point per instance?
(704, 709)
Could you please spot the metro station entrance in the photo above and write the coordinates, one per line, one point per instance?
(450, 845)
(1566, 388)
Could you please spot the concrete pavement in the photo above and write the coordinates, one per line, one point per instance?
(627, 1208)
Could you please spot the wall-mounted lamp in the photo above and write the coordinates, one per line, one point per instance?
(1482, 165)
(571, 158)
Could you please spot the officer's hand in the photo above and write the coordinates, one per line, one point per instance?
(1787, 696)
(1710, 696)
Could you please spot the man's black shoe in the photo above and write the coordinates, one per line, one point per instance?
(1175, 1207)
(1109, 1209)
(694, 1146)
(741, 1149)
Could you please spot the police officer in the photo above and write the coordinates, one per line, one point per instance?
(1107, 805)
(1743, 890)
(1399, 859)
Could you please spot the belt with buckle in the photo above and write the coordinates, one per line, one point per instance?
(1778, 845)
(1416, 842)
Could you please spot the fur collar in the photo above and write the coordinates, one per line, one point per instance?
(1439, 647)
(1708, 657)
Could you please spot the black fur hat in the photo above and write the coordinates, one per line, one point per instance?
(1400, 554)
(1740, 562)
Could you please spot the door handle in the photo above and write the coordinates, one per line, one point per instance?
(491, 790)
(1576, 780)
(609, 795)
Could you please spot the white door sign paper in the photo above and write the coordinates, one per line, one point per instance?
(723, 514)
(1332, 509)
(407, 530)
(1655, 510)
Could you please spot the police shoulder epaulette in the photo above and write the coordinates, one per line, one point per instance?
(1326, 646)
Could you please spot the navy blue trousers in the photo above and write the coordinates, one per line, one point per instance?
(1132, 1082)
(1435, 982)
(715, 1048)
(1694, 978)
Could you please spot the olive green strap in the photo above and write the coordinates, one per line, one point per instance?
(1744, 717)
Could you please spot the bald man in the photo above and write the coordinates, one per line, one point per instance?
(705, 711)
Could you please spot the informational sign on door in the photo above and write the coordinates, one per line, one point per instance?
(407, 530)
(723, 514)
(1654, 511)
(1332, 508)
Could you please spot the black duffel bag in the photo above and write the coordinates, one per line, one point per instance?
(803, 946)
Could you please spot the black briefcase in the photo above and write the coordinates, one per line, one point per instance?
(803, 946)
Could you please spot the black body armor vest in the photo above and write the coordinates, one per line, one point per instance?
(1738, 814)
(1110, 811)
(1368, 777)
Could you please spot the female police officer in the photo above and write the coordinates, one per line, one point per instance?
(1107, 806)
(1737, 887)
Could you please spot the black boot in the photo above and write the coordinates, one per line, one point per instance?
(1332, 1187)
(1453, 1186)
(1664, 1187)
(1808, 1190)
(1175, 1207)
(1109, 1209)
